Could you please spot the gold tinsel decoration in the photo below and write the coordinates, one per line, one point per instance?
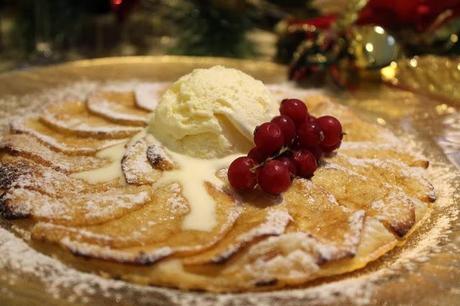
(429, 75)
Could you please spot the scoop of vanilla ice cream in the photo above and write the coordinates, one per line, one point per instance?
(211, 113)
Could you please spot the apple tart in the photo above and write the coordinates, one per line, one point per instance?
(85, 178)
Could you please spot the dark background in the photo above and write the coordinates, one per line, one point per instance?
(37, 32)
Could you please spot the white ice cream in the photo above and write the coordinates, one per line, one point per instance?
(211, 113)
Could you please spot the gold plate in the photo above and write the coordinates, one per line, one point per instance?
(425, 271)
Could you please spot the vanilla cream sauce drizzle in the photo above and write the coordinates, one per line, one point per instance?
(191, 174)
(112, 171)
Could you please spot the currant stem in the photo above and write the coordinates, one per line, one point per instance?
(283, 150)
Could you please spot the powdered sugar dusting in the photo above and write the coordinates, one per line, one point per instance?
(81, 127)
(136, 168)
(91, 207)
(117, 106)
(275, 223)
(297, 256)
(102, 106)
(23, 144)
(177, 203)
(61, 281)
(19, 126)
(148, 94)
(353, 237)
(107, 253)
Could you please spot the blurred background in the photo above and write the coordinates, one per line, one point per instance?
(36, 32)
(312, 35)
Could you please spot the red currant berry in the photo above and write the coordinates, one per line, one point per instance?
(309, 134)
(316, 151)
(274, 177)
(294, 109)
(287, 126)
(296, 144)
(332, 130)
(305, 162)
(257, 155)
(268, 138)
(241, 174)
(330, 149)
(289, 164)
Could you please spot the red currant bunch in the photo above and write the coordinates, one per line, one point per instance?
(291, 144)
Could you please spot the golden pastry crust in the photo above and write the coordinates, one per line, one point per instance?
(360, 203)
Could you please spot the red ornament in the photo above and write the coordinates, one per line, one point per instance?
(122, 8)
(419, 15)
(321, 22)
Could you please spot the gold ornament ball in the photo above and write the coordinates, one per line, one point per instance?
(372, 47)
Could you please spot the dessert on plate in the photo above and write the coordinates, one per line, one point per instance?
(214, 182)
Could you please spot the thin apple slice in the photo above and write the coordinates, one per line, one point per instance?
(72, 117)
(13, 170)
(379, 199)
(410, 179)
(19, 172)
(74, 208)
(65, 143)
(381, 151)
(339, 227)
(29, 147)
(117, 106)
(289, 259)
(144, 161)
(376, 240)
(148, 94)
(253, 225)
